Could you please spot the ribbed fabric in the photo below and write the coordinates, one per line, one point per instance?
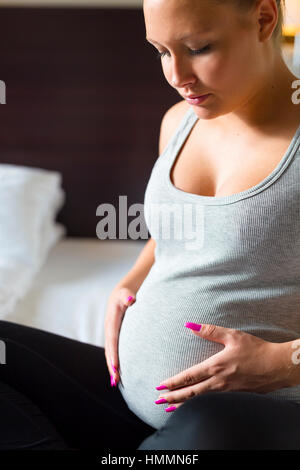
(240, 270)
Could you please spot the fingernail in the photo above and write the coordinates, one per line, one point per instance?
(161, 387)
(113, 366)
(129, 298)
(171, 408)
(112, 381)
(161, 400)
(193, 326)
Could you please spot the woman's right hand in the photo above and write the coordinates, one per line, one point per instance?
(116, 307)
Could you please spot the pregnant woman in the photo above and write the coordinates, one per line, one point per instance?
(202, 336)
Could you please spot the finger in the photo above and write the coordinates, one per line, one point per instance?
(193, 375)
(115, 327)
(130, 299)
(113, 330)
(127, 297)
(184, 394)
(114, 375)
(172, 408)
(113, 337)
(112, 368)
(109, 364)
(215, 333)
(112, 361)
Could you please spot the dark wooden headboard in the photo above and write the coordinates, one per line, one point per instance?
(85, 96)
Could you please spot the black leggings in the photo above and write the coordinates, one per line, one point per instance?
(55, 393)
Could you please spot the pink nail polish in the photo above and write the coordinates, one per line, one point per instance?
(114, 368)
(112, 381)
(161, 387)
(171, 408)
(193, 326)
(129, 298)
(161, 400)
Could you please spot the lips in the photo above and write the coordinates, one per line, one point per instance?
(191, 97)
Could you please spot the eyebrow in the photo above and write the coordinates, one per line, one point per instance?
(178, 39)
(186, 36)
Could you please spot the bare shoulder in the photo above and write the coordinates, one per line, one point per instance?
(170, 121)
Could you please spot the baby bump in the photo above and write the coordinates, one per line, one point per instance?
(154, 345)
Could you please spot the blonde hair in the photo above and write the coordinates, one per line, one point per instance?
(247, 5)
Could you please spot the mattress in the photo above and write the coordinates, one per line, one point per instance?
(69, 294)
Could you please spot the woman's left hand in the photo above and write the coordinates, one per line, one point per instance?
(246, 363)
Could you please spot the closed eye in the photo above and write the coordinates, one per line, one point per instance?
(193, 52)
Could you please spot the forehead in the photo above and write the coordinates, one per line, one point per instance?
(181, 18)
(193, 9)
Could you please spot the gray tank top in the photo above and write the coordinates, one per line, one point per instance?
(232, 261)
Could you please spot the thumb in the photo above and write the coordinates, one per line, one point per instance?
(215, 333)
(128, 298)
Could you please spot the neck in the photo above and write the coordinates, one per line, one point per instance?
(270, 101)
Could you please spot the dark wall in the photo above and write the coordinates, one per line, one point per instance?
(85, 96)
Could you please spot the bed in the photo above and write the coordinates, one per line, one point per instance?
(70, 292)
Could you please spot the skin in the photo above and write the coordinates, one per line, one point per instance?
(249, 82)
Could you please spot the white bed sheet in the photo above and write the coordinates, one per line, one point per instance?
(69, 295)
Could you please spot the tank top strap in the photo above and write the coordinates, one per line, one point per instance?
(178, 137)
(183, 129)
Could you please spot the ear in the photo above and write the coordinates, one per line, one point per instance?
(267, 17)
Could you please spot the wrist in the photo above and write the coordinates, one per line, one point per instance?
(294, 362)
(287, 356)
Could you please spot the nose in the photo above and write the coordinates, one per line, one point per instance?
(181, 74)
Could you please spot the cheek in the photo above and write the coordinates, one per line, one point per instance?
(231, 74)
(222, 72)
(243, 68)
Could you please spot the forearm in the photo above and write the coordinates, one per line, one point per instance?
(135, 277)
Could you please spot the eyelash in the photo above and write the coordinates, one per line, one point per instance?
(193, 52)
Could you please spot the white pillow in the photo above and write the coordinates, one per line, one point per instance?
(30, 199)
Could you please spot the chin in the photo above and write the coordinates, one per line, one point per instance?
(205, 113)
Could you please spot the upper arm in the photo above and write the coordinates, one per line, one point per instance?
(169, 123)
